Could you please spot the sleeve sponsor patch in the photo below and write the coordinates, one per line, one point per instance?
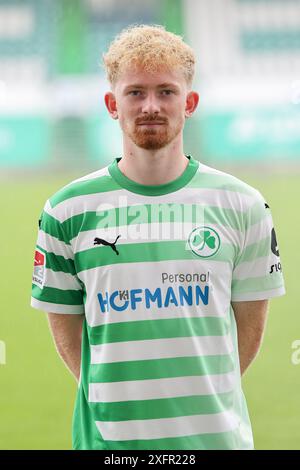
(39, 267)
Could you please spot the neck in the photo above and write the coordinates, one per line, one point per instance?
(153, 167)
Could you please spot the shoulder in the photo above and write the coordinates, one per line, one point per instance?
(223, 180)
(97, 181)
(228, 186)
(80, 195)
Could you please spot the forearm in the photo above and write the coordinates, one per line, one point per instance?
(248, 349)
(70, 353)
(250, 321)
(67, 331)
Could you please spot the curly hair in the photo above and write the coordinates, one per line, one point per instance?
(151, 48)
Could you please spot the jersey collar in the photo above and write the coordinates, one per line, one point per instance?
(153, 190)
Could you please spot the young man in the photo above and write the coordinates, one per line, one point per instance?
(155, 271)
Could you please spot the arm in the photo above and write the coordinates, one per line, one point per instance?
(66, 331)
(251, 319)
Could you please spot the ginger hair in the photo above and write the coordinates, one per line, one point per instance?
(150, 48)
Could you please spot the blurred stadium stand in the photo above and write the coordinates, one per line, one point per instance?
(249, 78)
(52, 113)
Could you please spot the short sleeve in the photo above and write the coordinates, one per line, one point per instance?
(55, 285)
(257, 273)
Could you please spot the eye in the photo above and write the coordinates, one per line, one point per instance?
(167, 92)
(134, 92)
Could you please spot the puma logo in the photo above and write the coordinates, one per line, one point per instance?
(100, 241)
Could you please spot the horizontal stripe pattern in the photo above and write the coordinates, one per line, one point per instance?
(261, 228)
(162, 407)
(270, 281)
(160, 328)
(256, 250)
(162, 428)
(135, 233)
(59, 263)
(143, 253)
(146, 214)
(59, 279)
(147, 233)
(97, 202)
(261, 295)
(161, 388)
(253, 268)
(57, 296)
(216, 441)
(56, 308)
(160, 348)
(157, 230)
(161, 368)
(211, 178)
(54, 245)
(51, 226)
(84, 187)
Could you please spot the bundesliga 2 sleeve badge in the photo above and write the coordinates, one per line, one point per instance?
(39, 267)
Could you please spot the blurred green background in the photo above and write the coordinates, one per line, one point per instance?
(53, 128)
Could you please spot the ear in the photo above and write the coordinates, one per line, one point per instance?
(111, 104)
(191, 104)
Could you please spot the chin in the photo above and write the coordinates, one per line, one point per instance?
(151, 144)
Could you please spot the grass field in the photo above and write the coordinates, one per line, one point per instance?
(38, 392)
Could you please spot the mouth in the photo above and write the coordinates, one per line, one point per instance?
(151, 123)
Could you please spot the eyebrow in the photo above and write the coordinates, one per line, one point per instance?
(162, 85)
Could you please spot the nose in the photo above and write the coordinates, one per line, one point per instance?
(150, 104)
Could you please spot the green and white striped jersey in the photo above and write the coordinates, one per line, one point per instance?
(154, 270)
